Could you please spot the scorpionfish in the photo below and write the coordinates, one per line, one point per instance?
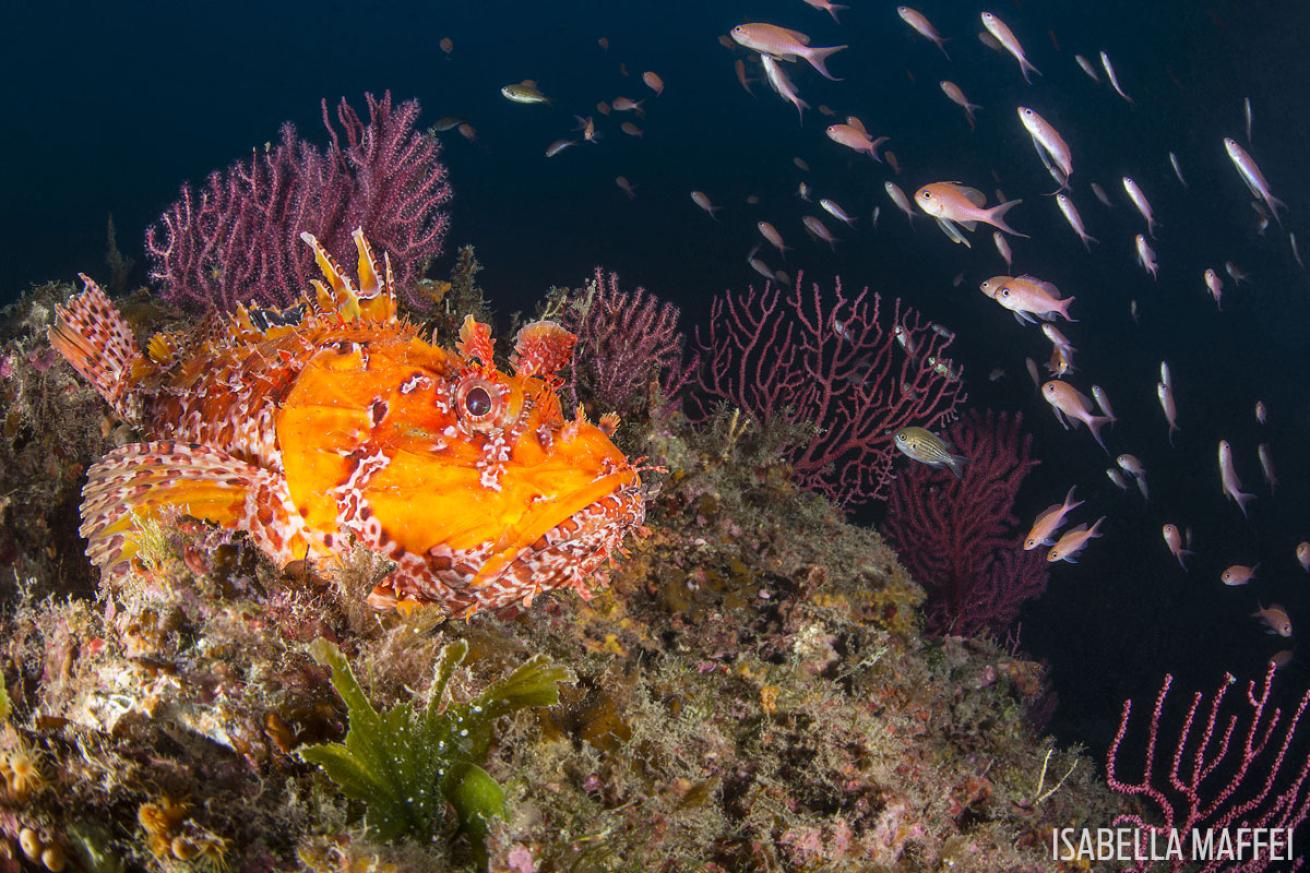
(332, 424)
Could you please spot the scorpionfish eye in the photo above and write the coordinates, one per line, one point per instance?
(480, 402)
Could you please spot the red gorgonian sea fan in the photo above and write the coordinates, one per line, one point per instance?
(957, 537)
(627, 341)
(1238, 770)
(834, 362)
(238, 238)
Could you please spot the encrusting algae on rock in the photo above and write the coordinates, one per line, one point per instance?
(751, 690)
(332, 423)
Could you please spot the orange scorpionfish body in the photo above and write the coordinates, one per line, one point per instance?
(331, 424)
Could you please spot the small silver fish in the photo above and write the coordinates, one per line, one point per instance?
(898, 197)
(758, 265)
(820, 230)
(1215, 285)
(1075, 219)
(1255, 180)
(1087, 68)
(558, 146)
(1178, 170)
(1165, 394)
(903, 337)
(833, 208)
(1003, 248)
(1131, 465)
(1138, 197)
(1261, 217)
(1103, 401)
(1114, 80)
(1146, 256)
(1102, 196)
(1267, 466)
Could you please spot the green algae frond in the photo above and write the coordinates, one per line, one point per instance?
(408, 762)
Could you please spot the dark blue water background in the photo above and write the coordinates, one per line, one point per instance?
(111, 106)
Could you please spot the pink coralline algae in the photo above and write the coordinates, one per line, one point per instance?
(833, 363)
(1228, 771)
(628, 341)
(958, 537)
(238, 238)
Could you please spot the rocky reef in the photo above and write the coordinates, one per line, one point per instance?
(753, 690)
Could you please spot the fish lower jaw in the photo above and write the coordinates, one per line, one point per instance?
(572, 554)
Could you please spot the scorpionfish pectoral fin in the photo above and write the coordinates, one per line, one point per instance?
(143, 482)
(97, 341)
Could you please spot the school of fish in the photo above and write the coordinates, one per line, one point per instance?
(788, 60)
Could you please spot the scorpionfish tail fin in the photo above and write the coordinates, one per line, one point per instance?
(95, 339)
(141, 483)
(374, 299)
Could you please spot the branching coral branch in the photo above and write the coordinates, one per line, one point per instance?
(1227, 775)
(238, 238)
(834, 363)
(626, 341)
(957, 537)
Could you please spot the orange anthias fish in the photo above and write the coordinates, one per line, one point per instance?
(1030, 299)
(854, 135)
(332, 423)
(1238, 574)
(1276, 619)
(1071, 545)
(953, 204)
(1174, 540)
(1071, 405)
(1049, 522)
(785, 45)
(991, 286)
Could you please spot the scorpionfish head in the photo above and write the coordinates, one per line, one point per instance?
(536, 499)
(470, 478)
